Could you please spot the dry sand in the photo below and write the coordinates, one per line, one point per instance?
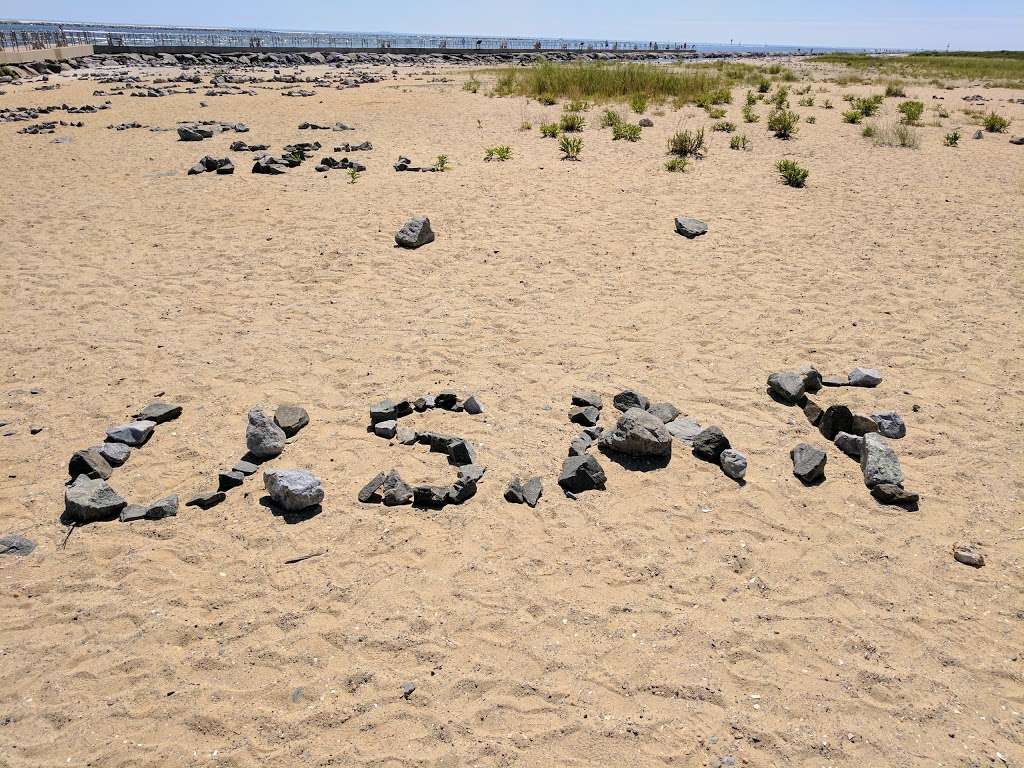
(675, 619)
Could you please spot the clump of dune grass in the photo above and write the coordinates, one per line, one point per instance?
(952, 139)
(724, 126)
(868, 131)
(572, 122)
(781, 98)
(896, 135)
(806, 101)
(638, 103)
(995, 123)
(501, 153)
(811, 119)
(441, 164)
(626, 131)
(751, 99)
(472, 85)
(571, 147)
(576, 105)
(792, 174)
(894, 88)
(526, 125)
(715, 113)
(749, 115)
(687, 143)
(602, 82)
(739, 141)
(868, 105)
(853, 116)
(783, 123)
(676, 164)
(549, 130)
(1004, 69)
(610, 118)
(911, 112)
(940, 111)
(827, 104)
(546, 99)
(764, 86)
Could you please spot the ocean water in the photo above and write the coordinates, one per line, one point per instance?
(26, 33)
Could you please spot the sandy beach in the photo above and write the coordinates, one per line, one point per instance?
(676, 618)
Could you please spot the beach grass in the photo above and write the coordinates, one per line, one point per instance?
(995, 68)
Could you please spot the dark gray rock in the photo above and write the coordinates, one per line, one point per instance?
(861, 425)
(385, 410)
(132, 512)
(134, 434)
(89, 462)
(879, 462)
(812, 379)
(159, 412)
(406, 436)
(228, 480)
(367, 491)
(291, 418)
(684, 430)
(896, 495)
(890, 424)
(709, 444)
(646, 122)
(396, 491)
(16, 545)
(245, 467)
(808, 463)
(629, 398)
(430, 496)
(836, 419)
(690, 228)
(849, 444)
(116, 454)
(474, 472)
(165, 507)
(461, 490)
(835, 381)
(387, 429)
(473, 406)
(88, 501)
(787, 386)
(968, 555)
(206, 500)
(461, 452)
(514, 491)
(415, 233)
(586, 415)
(580, 444)
(581, 473)
(812, 411)
(864, 377)
(532, 490)
(293, 489)
(446, 400)
(263, 437)
(665, 411)
(586, 399)
(593, 432)
(733, 463)
(638, 433)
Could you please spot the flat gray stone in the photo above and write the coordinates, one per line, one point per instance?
(664, 411)
(406, 436)
(808, 463)
(386, 429)
(710, 443)
(879, 462)
(415, 233)
(532, 490)
(896, 495)
(733, 463)
(629, 398)
(228, 480)
(263, 437)
(890, 424)
(968, 555)
(245, 467)
(115, 454)
(135, 433)
(291, 418)
(293, 489)
(864, 377)
(811, 376)
(472, 406)
(690, 228)
(684, 430)
(585, 415)
(581, 473)
(638, 433)
(206, 500)
(132, 512)
(159, 412)
(385, 410)
(88, 501)
(788, 386)
(474, 472)
(461, 452)
(849, 444)
(165, 507)
(586, 398)
(16, 545)
(89, 462)
(367, 491)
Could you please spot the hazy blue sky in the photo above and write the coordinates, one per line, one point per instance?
(867, 23)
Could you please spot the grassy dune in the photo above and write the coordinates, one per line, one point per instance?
(996, 68)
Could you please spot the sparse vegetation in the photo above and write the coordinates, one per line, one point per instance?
(868, 131)
(739, 141)
(868, 105)
(952, 138)
(853, 116)
(526, 125)
(715, 113)
(793, 174)
(995, 123)
(811, 119)
(749, 115)
(353, 175)
(783, 123)
(576, 105)
(827, 104)
(911, 112)
(687, 143)
(638, 103)
(549, 130)
(807, 101)
(676, 164)
(995, 68)
(781, 98)
(896, 135)
(441, 164)
(571, 147)
(501, 153)
(751, 99)
(610, 118)
(724, 126)
(941, 111)
(895, 88)
(764, 86)
(546, 99)
(472, 85)
(572, 122)
(626, 131)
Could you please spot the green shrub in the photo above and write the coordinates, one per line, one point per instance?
(781, 98)
(827, 104)
(995, 123)
(353, 175)
(526, 125)
(751, 98)
(572, 122)
(715, 113)
(867, 105)
(807, 101)
(441, 164)
(501, 153)
(853, 116)
(791, 173)
(739, 141)
(687, 143)
(764, 86)
(571, 147)
(952, 138)
(547, 99)
(868, 130)
(911, 111)
(610, 118)
(472, 85)
(638, 103)
(576, 106)
(549, 130)
(724, 126)
(627, 131)
(749, 115)
(895, 88)
(783, 123)
(897, 135)
(811, 119)
(676, 164)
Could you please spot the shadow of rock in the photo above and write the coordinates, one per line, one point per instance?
(291, 518)
(636, 463)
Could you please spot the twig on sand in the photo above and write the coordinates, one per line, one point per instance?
(70, 531)
(300, 558)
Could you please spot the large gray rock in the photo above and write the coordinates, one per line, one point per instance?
(585, 415)
(811, 376)
(415, 233)
(690, 228)
(787, 386)
(135, 433)
(88, 501)
(291, 418)
(836, 419)
(293, 489)
(849, 444)
(581, 473)
(116, 454)
(808, 463)
(733, 463)
(864, 377)
(159, 412)
(710, 444)
(638, 433)
(528, 493)
(263, 437)
(89, 462)
(683, 429)
(629, 398)
(585, 398)
(879, 462)
(897, 495)
(664, 411)
(890, 424)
